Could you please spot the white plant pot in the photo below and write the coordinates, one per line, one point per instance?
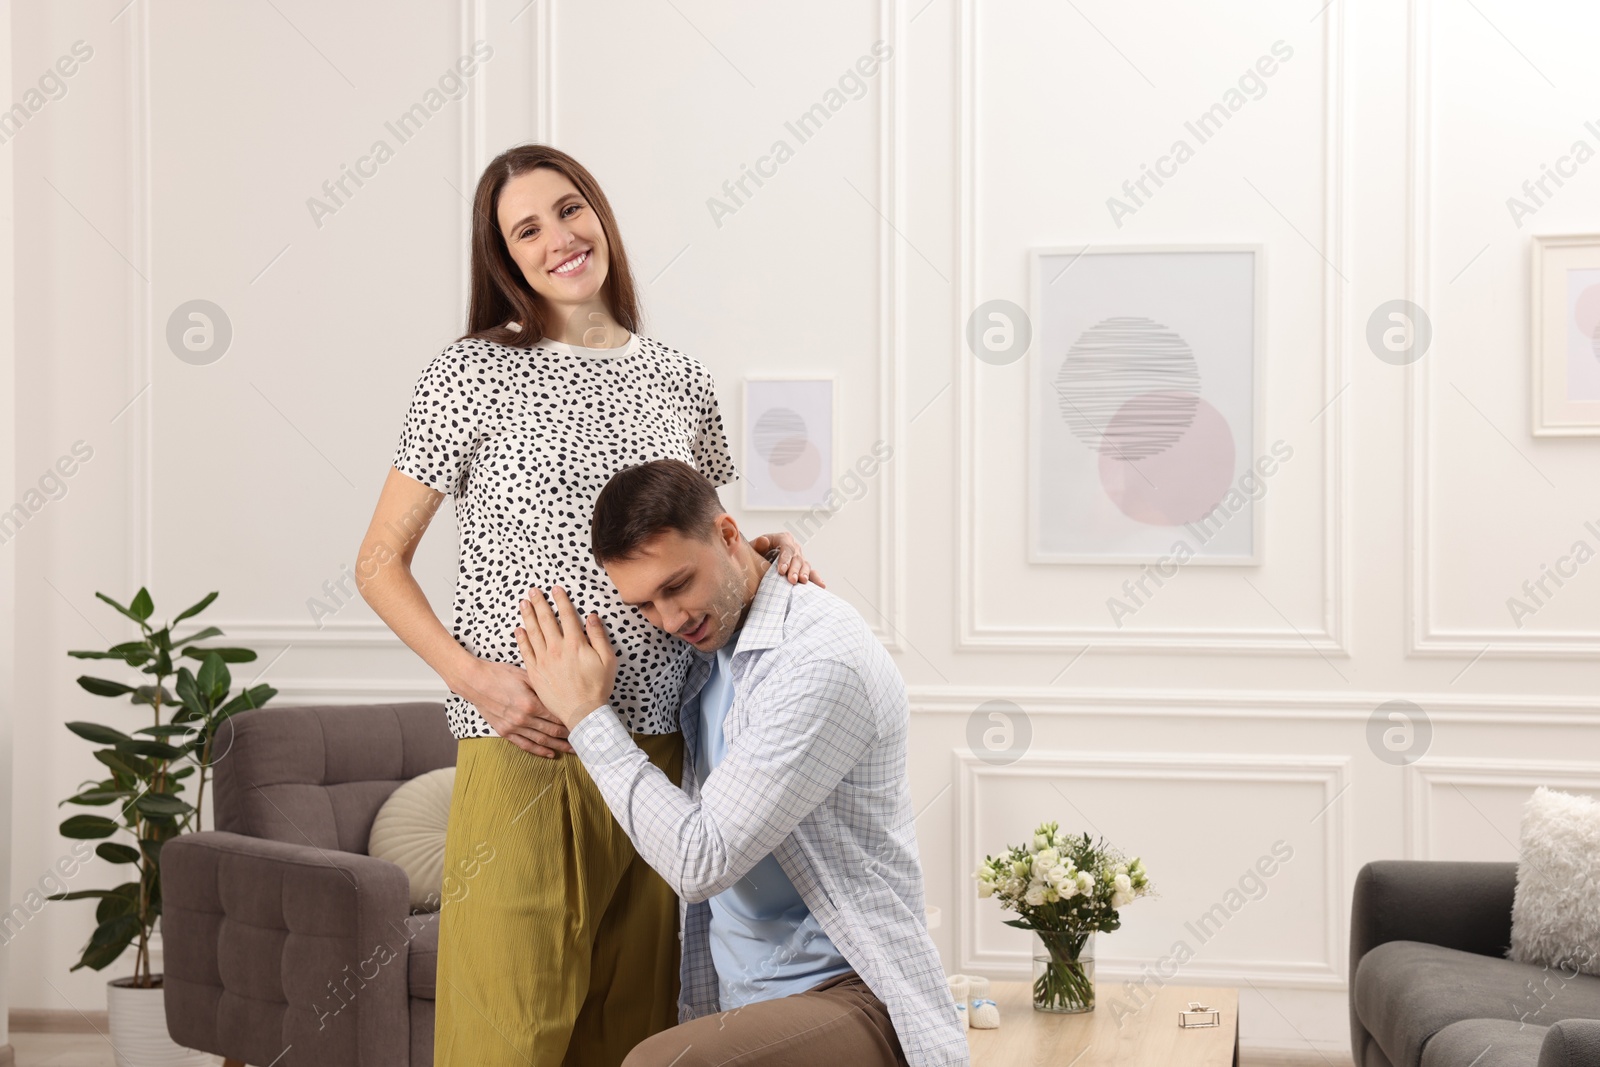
(139, 1036)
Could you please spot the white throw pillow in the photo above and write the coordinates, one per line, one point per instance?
(409, 832)
(1555, 917)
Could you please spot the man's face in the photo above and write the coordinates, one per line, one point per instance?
(686, 586)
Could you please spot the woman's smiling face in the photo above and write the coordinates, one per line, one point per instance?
(547, 224)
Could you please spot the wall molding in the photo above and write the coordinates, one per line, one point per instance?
(1426, 775)
(890, 588)
(1287, 706)
(255, 633)
(891, 330)
(300, 691)
(1331, 772)
(1422, 637)
(1280, 705)
(11, 608)
(1333, 635)
(138, 424)
(472, 21)
(473, 18)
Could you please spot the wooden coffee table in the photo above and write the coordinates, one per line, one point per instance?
(1150, 1036)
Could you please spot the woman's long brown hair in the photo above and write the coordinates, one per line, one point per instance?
(500, 294)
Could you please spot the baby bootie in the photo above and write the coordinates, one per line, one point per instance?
(983, 1013)
(959, 992)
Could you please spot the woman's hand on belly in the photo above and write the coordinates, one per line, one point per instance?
(502, 695)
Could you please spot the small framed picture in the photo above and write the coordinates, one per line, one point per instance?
(1144, 414)
(789, 442)
(1566, 336)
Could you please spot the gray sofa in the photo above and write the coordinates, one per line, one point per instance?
(1430, 985)
(284, 943)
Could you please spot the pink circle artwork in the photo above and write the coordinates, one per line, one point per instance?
(1179, 484)
(795, 464)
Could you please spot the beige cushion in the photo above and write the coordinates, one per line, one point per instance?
(409, 832)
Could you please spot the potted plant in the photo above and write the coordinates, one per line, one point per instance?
(1066, 888)
(146, 771)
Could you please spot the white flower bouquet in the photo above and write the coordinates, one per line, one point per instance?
(1065, 888)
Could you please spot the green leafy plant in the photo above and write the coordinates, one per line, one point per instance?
(146, 768)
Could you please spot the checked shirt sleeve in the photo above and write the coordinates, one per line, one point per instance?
(806, 729)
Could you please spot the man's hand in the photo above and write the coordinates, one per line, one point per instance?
(570, 663)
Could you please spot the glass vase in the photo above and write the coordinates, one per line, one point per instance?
(1063, 971)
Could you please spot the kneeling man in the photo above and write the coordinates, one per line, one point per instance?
(791, 843)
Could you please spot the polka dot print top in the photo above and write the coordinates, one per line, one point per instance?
(524, 439)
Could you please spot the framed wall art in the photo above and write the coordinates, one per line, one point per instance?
(789, 442)
(1566, 335)
(1144, 409)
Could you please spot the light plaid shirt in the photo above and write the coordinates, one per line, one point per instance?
(815, 774)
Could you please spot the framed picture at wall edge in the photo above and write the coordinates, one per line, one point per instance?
(790, 438)
(1145, 413)
(1565, 318)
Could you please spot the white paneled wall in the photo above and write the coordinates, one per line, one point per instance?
(206, 152)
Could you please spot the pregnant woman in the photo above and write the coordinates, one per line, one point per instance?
(562, 946)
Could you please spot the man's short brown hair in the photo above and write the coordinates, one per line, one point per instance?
(641, 502)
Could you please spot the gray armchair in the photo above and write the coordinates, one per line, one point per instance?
(1430, 985)
(285, 943)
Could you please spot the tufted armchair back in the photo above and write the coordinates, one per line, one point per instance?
(318, 775)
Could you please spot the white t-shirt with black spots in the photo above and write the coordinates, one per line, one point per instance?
(524, 439)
